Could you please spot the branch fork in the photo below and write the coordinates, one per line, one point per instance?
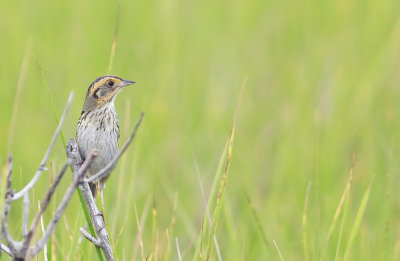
(102, 238)
(21, 250)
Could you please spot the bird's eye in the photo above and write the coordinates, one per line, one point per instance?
(110, 83)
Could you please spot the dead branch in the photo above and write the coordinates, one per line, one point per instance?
(102, 240)
(77, 179)
(20, 250)
(42, 165)
(112, 163)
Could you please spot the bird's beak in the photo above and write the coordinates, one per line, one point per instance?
(125, 83)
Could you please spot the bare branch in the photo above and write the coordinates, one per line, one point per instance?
(89, 237)
(25, 215)
(21, 250)
(6, 249)
(9, 167)
(7, 205)
(67, 197)
(45, 204)
(112, 163)
(103, 238)
(46, 156)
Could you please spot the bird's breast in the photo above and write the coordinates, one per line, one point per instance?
(99, 130)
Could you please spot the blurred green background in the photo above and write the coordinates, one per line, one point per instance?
(322, 85)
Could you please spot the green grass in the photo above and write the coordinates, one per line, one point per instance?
(322, 85)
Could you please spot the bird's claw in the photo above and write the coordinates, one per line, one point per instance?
(100, 228)
(99, 214)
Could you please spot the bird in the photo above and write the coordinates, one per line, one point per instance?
(98, 127)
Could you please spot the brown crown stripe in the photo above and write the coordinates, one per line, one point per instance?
(102, 81)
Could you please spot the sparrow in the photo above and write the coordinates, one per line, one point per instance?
(98, 126)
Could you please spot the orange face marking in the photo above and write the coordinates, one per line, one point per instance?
(102, 82)
(102, 100)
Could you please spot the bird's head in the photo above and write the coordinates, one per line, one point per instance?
(103, 91)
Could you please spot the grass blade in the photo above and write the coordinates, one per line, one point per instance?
(212, 193)
(225, 175)
(121, 230)
(170, 228)
(345, 195)
(154, 225)
(203, 195)
(114, 44)
(357, 222)
(258, 222)
(45, 253)
(139, 232)
(178, 249)
(339, 241)
(212, 196)
(140, 228)
(20, 85)
(53, 108)
(304, 222)
(87, 216)
(220, 194)
(277, 250)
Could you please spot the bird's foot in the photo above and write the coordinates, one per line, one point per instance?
(100, 228)
(99, 214)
